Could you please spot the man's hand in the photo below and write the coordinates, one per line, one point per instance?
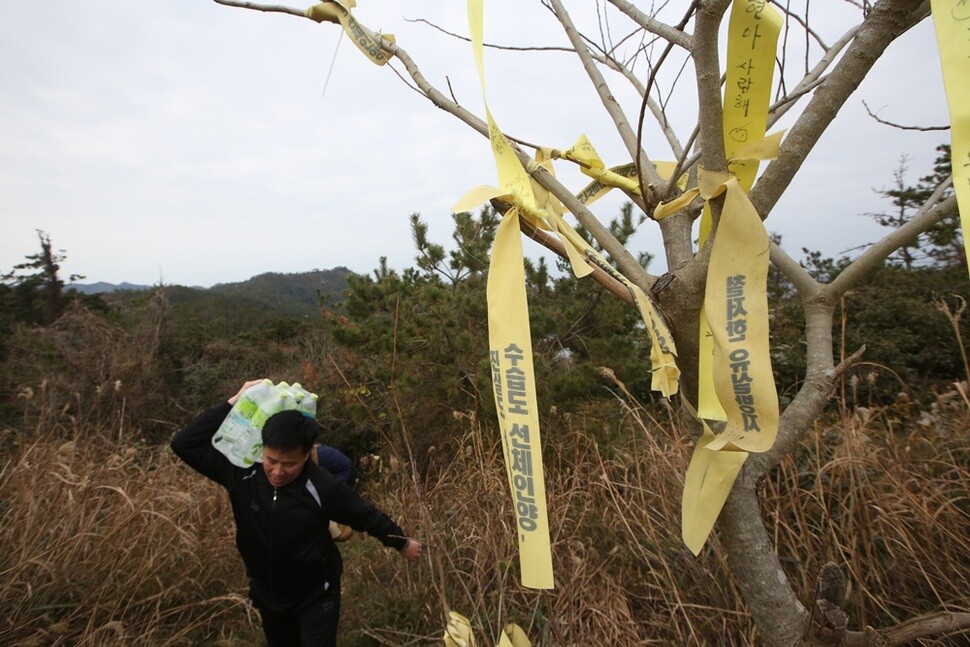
(412, 550)
(245, 386)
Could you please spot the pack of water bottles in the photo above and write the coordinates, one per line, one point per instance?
(240, 437)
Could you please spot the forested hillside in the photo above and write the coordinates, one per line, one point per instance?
(299, 294)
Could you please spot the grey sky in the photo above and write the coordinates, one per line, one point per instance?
(189, 142)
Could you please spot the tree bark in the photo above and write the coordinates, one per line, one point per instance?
(776, 611)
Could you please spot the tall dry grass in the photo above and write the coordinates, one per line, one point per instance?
(884, 494)
(105, 543)
(102, 544)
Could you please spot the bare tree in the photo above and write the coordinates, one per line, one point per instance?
(828, 75)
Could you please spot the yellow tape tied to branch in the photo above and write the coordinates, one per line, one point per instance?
(510, 347)
(665, 373)
(952, 21)
(606, 179)
(752, 41)
(367, 41)
(735, 380)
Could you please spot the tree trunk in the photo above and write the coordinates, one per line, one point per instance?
(778, 614)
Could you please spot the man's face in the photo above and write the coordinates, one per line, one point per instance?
(283, 466)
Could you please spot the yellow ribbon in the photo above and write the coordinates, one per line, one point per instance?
(753, 31)
(510, 346)
(458, 633)
(590, 164)
(513, 636)
(606, 179)
(952, 21)
(663, 352)
(338, 11)
(735, 381)
(736, 304)
(707, 183)
(665, 373)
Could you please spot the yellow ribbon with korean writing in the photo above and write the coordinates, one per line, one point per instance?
(753, 31)
(736, 303)
(548, 215)
(735, 381)
(509, 341)
(717, 459)
(952, 21)
(338, 11)
(510, 347)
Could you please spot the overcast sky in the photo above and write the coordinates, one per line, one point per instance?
(189, 143)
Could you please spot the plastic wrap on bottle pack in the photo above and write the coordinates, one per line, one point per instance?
(240, 437)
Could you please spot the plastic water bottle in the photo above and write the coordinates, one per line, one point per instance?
(275, 403)
(306, 401)
(234, 436)
(308, 405)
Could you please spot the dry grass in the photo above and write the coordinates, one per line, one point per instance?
(106, 544)
(878, 493)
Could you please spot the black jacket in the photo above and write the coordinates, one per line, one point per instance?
(283, 533)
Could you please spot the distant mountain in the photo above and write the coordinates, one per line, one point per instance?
(296, 294)
(101, 287)
(290, 294)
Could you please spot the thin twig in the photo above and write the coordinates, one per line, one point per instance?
(900, 126)
(609, 102)
(508, 48)
(665, 31)
(646, 94)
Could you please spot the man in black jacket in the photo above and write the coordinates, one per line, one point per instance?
(282, 508)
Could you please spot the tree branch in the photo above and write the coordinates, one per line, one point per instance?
(708, 72)
(887, 21)
(655, 109)
(779, 615)
(900, 126)
(827, 625)
(932, 212)
(933, 624)
(603, 58)
(807, 286)
(665, 31)
(507, 48)
(801, 21)
(627, 135)
(263, 7)
(812, 79)
(599, 275)
(625, 261)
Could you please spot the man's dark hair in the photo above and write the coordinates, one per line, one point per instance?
(289, 430)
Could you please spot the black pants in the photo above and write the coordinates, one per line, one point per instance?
(310, 625)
